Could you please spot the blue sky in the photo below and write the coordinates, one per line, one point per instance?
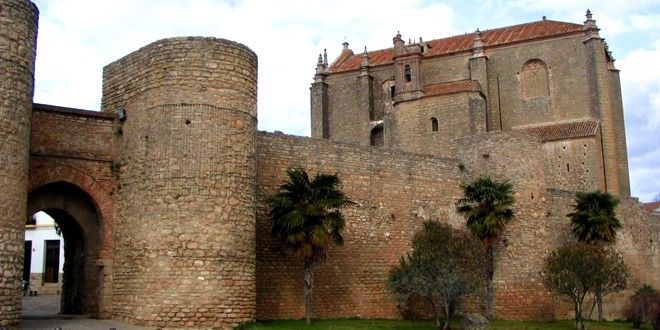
(78, 37)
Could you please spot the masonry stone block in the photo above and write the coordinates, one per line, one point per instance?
(18, 41)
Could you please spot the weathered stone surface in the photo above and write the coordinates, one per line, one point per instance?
(185, 217)
(175, 196)
(18, 41)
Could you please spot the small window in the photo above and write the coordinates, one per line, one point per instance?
(434, 124)
(407, 73)
(392, 92)
(377, 136)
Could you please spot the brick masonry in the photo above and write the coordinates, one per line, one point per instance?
(184, 243)
(174, 196)
(76, 148)
(394, 193)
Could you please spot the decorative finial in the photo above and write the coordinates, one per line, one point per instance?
(325, 57)
(544, 17)
(365, 58)
(590, 27)
(477, 45)
(320, 67)
(397, 40)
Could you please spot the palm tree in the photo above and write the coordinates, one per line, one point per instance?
(594, 221)
(488, 207)
(305, 216)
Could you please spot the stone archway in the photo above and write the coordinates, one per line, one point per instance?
(82, 229)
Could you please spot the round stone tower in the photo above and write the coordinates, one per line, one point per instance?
(18, 41)
(185, 220)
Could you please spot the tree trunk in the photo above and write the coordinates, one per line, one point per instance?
(309, 287)
(435, 311)
(593, 305)
(599, 302)
(447, 316)
(578, 316)
(490, 264)
(579, 322)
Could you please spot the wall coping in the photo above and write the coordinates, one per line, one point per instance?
(73, 111)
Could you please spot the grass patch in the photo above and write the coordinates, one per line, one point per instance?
(359, 324)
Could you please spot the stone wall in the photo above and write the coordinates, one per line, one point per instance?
(574, 164)
(185, 215)
(394, 193)
(18, 41)
(72, 133)
(73, 177)
(637, 241)
(567, 95)
(517, 158)
(408, 127)
(78, 147)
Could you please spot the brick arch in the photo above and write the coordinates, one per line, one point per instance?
(100, 195)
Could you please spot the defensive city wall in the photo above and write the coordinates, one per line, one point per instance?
(161, 197)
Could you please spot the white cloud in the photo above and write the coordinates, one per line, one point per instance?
(640, 84)
(77, 39)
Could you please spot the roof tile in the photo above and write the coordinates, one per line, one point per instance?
(652, 206)
(463, 43)
(564, 131)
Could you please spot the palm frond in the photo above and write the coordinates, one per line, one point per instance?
(306, 214)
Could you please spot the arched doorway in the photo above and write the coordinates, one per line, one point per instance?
(76, 215)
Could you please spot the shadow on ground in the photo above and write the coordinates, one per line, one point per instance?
(42, 312)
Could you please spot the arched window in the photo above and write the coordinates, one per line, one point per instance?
(533, 79)
(377, 136)
(434, 124)
(407, 72)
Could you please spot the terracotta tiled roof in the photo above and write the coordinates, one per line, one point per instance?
(652, 206)
(450, 87)
(564, 131)
(348, 61)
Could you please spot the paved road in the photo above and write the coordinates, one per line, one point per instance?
(40, 312)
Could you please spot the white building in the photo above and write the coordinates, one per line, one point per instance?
(44, 255)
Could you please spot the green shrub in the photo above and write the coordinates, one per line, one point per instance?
(644, 306)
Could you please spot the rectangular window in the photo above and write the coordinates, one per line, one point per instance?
(52, 261)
